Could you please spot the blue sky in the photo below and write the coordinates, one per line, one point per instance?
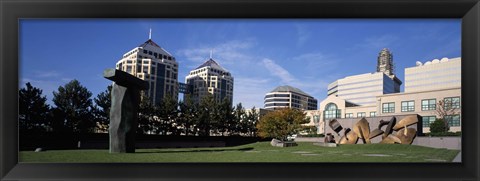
(261, 54)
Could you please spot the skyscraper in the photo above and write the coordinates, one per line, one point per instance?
(385, 62)
(210, 79)
(150, 62)
(362, 89)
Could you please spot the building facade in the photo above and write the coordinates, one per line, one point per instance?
(289, 97)
(433, 75)
(418, 99)
(210, 79)
(362, 89)
(153, 64)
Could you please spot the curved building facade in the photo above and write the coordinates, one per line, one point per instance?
(289, 97)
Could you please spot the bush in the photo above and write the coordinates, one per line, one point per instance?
(438, 126)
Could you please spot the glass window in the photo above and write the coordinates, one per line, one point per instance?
(373, 114)
(361, 115)
(129, 69)
(316, 118)
(408, 106)
(451, 103)
(145, 51)
(331, 111)
(388, 107)
(429, 104)
(453, 120)
(349, 115)
(427, 120)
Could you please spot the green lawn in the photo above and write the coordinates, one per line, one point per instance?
(256, 152)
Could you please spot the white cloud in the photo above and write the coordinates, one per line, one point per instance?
(278, 71)
(228, 53)
(250, 91)
(303, 34)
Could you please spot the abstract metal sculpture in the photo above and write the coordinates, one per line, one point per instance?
(124, 109)
(361, 130)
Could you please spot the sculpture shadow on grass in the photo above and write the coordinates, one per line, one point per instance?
(195, 151)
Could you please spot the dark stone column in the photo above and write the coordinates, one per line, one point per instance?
(124, 110)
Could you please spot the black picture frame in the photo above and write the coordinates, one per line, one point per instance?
(12, 11)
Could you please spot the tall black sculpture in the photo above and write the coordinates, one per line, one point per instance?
(124, 109)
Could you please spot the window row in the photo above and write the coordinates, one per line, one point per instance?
(361, 114)
(427, 105)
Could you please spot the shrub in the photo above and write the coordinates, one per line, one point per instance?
(438, 126)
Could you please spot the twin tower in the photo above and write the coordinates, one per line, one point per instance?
(159, 68)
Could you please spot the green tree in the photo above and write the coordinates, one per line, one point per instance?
(146, 115)
(187, 115)
(33, 109)
(226, 123)
(206, 121)
(281, 123)
(74, 101)
(439, 126)
(168, 113)
(240, 120)
(101, 110)
(251, 122)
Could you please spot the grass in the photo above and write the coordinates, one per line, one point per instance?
(255, 152)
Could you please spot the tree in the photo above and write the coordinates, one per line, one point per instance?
(146, 115)
(33, 109)
(101, 110)
(281, 123)
(251, 122)
(446, 108)
(187, 115)
(240, 120)
(226, 123)
(438, 126)
(168, 113)
(74, 101)
(206, 120)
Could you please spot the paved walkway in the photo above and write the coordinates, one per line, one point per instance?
(458, 158)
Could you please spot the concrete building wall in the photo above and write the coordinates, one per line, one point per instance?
(432, 75)
(417, 97)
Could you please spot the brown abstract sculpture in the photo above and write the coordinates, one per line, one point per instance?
(124, 109)
(406, 135)
(407, 121)
(349, 137)
(361, 130)
(335, 125)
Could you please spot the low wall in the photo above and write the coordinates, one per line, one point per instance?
(51, 141)
(453, 143)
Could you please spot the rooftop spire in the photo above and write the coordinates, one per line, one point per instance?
(150, 34)
(211, 53)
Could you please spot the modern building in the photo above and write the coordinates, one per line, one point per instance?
(433, 75)
(421, 100)
(289, 97)
(150, 62)
(210, 79)
(362, 89)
